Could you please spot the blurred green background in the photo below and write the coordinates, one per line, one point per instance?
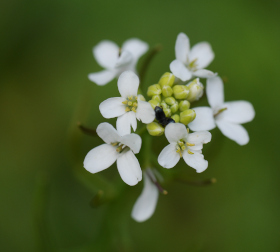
(46, 55)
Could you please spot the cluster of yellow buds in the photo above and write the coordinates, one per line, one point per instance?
(174, 100)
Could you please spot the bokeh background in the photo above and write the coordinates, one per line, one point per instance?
(45, 57)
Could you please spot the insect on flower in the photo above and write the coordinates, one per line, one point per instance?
(161, 117)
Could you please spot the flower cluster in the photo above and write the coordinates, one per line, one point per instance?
(167, 112)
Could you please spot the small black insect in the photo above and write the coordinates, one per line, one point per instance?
(161, 117)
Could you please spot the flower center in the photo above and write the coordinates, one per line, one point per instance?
(121, 147)
(131, 103)
(193, 65)
(182, 145)
(219, 112)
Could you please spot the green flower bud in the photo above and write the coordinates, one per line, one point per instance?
(180, 92)
(156, 98)
(176, 118)
(167, 112)
(155, 129)
(170, 100)
(196, 90)
(154, 90)
(167, 91)
(187, 116)
(167, 79)
(174, 108)
(141, 97)
(184, 105)
(163, 105)
(154, 103)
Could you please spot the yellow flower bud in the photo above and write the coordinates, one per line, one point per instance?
(167, 112)
(154, 90)
(154, 103)
(184, 105)
(167, 79)
(156, 98)
(196, 90)
(187, 116)
(170, 100)
(163, 105)
(176, 118)
(180, 92)
(155, 129)
(167, 91)
(174, 108)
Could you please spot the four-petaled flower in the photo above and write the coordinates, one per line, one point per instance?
(145, 205)
(116, 60)
(185, 145)
(128, 107)
(192, 62)
(116, 148)
(226, 115)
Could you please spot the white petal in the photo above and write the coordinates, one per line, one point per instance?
(204, 73)
(182, 47)
(146, 203)
(106, 54)
(199, 137)
(133, 141)
(103, 77)
(125, 59)
(238, 112)
(180, 70)
(168, 157)
(233, 131)
(112, 107)
(203, 53)
(196, 161)
(125, 121)
(136, 47)
(175, 131)
(129, 168)
(128, 84)
(215, 92)
(108, 133)
(100, 158)
(145, 112)
(204, 119)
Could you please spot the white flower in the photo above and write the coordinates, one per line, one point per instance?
(145, 205)
(226, 115)
(183, 144)
(192, 62)
(116, 60)
(128, 107)
(116, 148)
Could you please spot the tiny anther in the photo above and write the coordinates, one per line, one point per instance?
(178, 150)
(133, 109)
(114, 144)
(119, 149)
(127, 109)
(129, 103)
(183, 147)
(190, 144)
(164, 192)
(130, 97)
(135, 104)
(181, 144)
(124, 102)
(190, 152)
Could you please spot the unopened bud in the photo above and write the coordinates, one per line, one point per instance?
(170, 101)
(155, 129)
(174, 108)
(167, 112)
(180, 92)
(184, 105)
(156, 98)
(196, 90)
(163, 105)
(187, 116)
(176, 118)
(154, 90)
(154, 103)
(167, 79)
(167, 91)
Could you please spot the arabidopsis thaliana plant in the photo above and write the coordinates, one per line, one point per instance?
(146, 203)
(116, 148)
(116, 60)
(191, 62)
(227, 116)
(128, 107)
(185, 145)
